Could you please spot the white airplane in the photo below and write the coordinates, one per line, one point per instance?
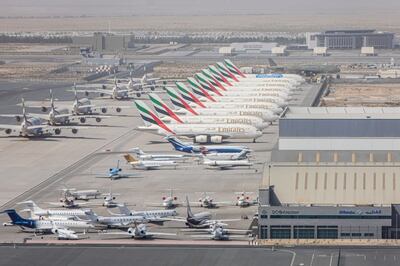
(266, 111)
(206, 201)
(54, 213)
(168, 202)
(139, 232)
(57, 116)
(218, 232)
(33, 127)
(63, 233)
(169, 116)
(201, 133)
(151, 215)
(109, 200)
(226, 164)
(121, 221)
(148, 164)
(216, 156)
(81, 194)
(199, 220)
(243, 200)
(40, 225)
(156, 157)
(117, 92)
(67, 202)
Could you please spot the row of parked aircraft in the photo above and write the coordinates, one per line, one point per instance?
(219, 103)
(65, 222)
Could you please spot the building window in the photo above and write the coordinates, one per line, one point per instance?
(263, 232)
(394, 181)
(316, 181)
(325, 181)
(297, 181)
(356, 234)
(374, 184)
(364, 181)
(303, 232)
(344, 181)
(383, 181)
(369, 234)
(305, 181)
(355, 181)
(280, 232)
(324, 232)
(335, 185)
(345, 234)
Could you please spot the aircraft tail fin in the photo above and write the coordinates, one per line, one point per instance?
(149, 117)
(272, 63)
(129, 158)
(234, 69)
(14, 216)
(206, 83)
(212, 80)
(52, 100)
(225, 71)
(163, 109)
(91, 215)
(178, 101)
(220, 75)
(189, 209)
(198, 89)
(24, 110)
(188, 95)
(177, 144)
(124, 209)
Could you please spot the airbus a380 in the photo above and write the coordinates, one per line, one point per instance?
(33, 126)
(199, 132)
(168, 115)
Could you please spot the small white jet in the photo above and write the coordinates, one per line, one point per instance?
(53, 213)
(122, 221)
(168, 202)
(243, 200)
(81, 194)
(109, 200)
(206, 201)
(153, 216)
(63, 233)
(67, 202)
(218, 232)
(148, 164)
(226, 164)
(156, 157)
(115, 173)
(139, 232)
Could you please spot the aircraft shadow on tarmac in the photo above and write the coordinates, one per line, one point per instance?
(47, 138)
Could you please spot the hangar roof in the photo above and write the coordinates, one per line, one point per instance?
(342, 113)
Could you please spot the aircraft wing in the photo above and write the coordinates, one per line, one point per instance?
(159, 234)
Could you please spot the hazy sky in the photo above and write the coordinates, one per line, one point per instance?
(193, 7)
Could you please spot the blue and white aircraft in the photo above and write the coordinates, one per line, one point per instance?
(200, 149)
(115, 173)
(43, 225)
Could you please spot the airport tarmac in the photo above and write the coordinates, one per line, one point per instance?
(195, 255)
(38, 169)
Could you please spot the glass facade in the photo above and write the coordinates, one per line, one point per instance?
(280, 232)
(327, 232)
(303, 232)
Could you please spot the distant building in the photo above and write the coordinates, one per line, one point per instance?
(253, 47)
(350, 39)
(105, 42)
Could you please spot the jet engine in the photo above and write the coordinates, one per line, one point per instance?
(216, 139)
(118, 109)
(201, 139)
(44, 109)
(98, 119)
(57, 131)
(18, 118)
(74, 130)
(83, 120)
(8, 131)
(104, 110)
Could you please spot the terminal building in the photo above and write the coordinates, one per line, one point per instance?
(350, 39)
(334, 174)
